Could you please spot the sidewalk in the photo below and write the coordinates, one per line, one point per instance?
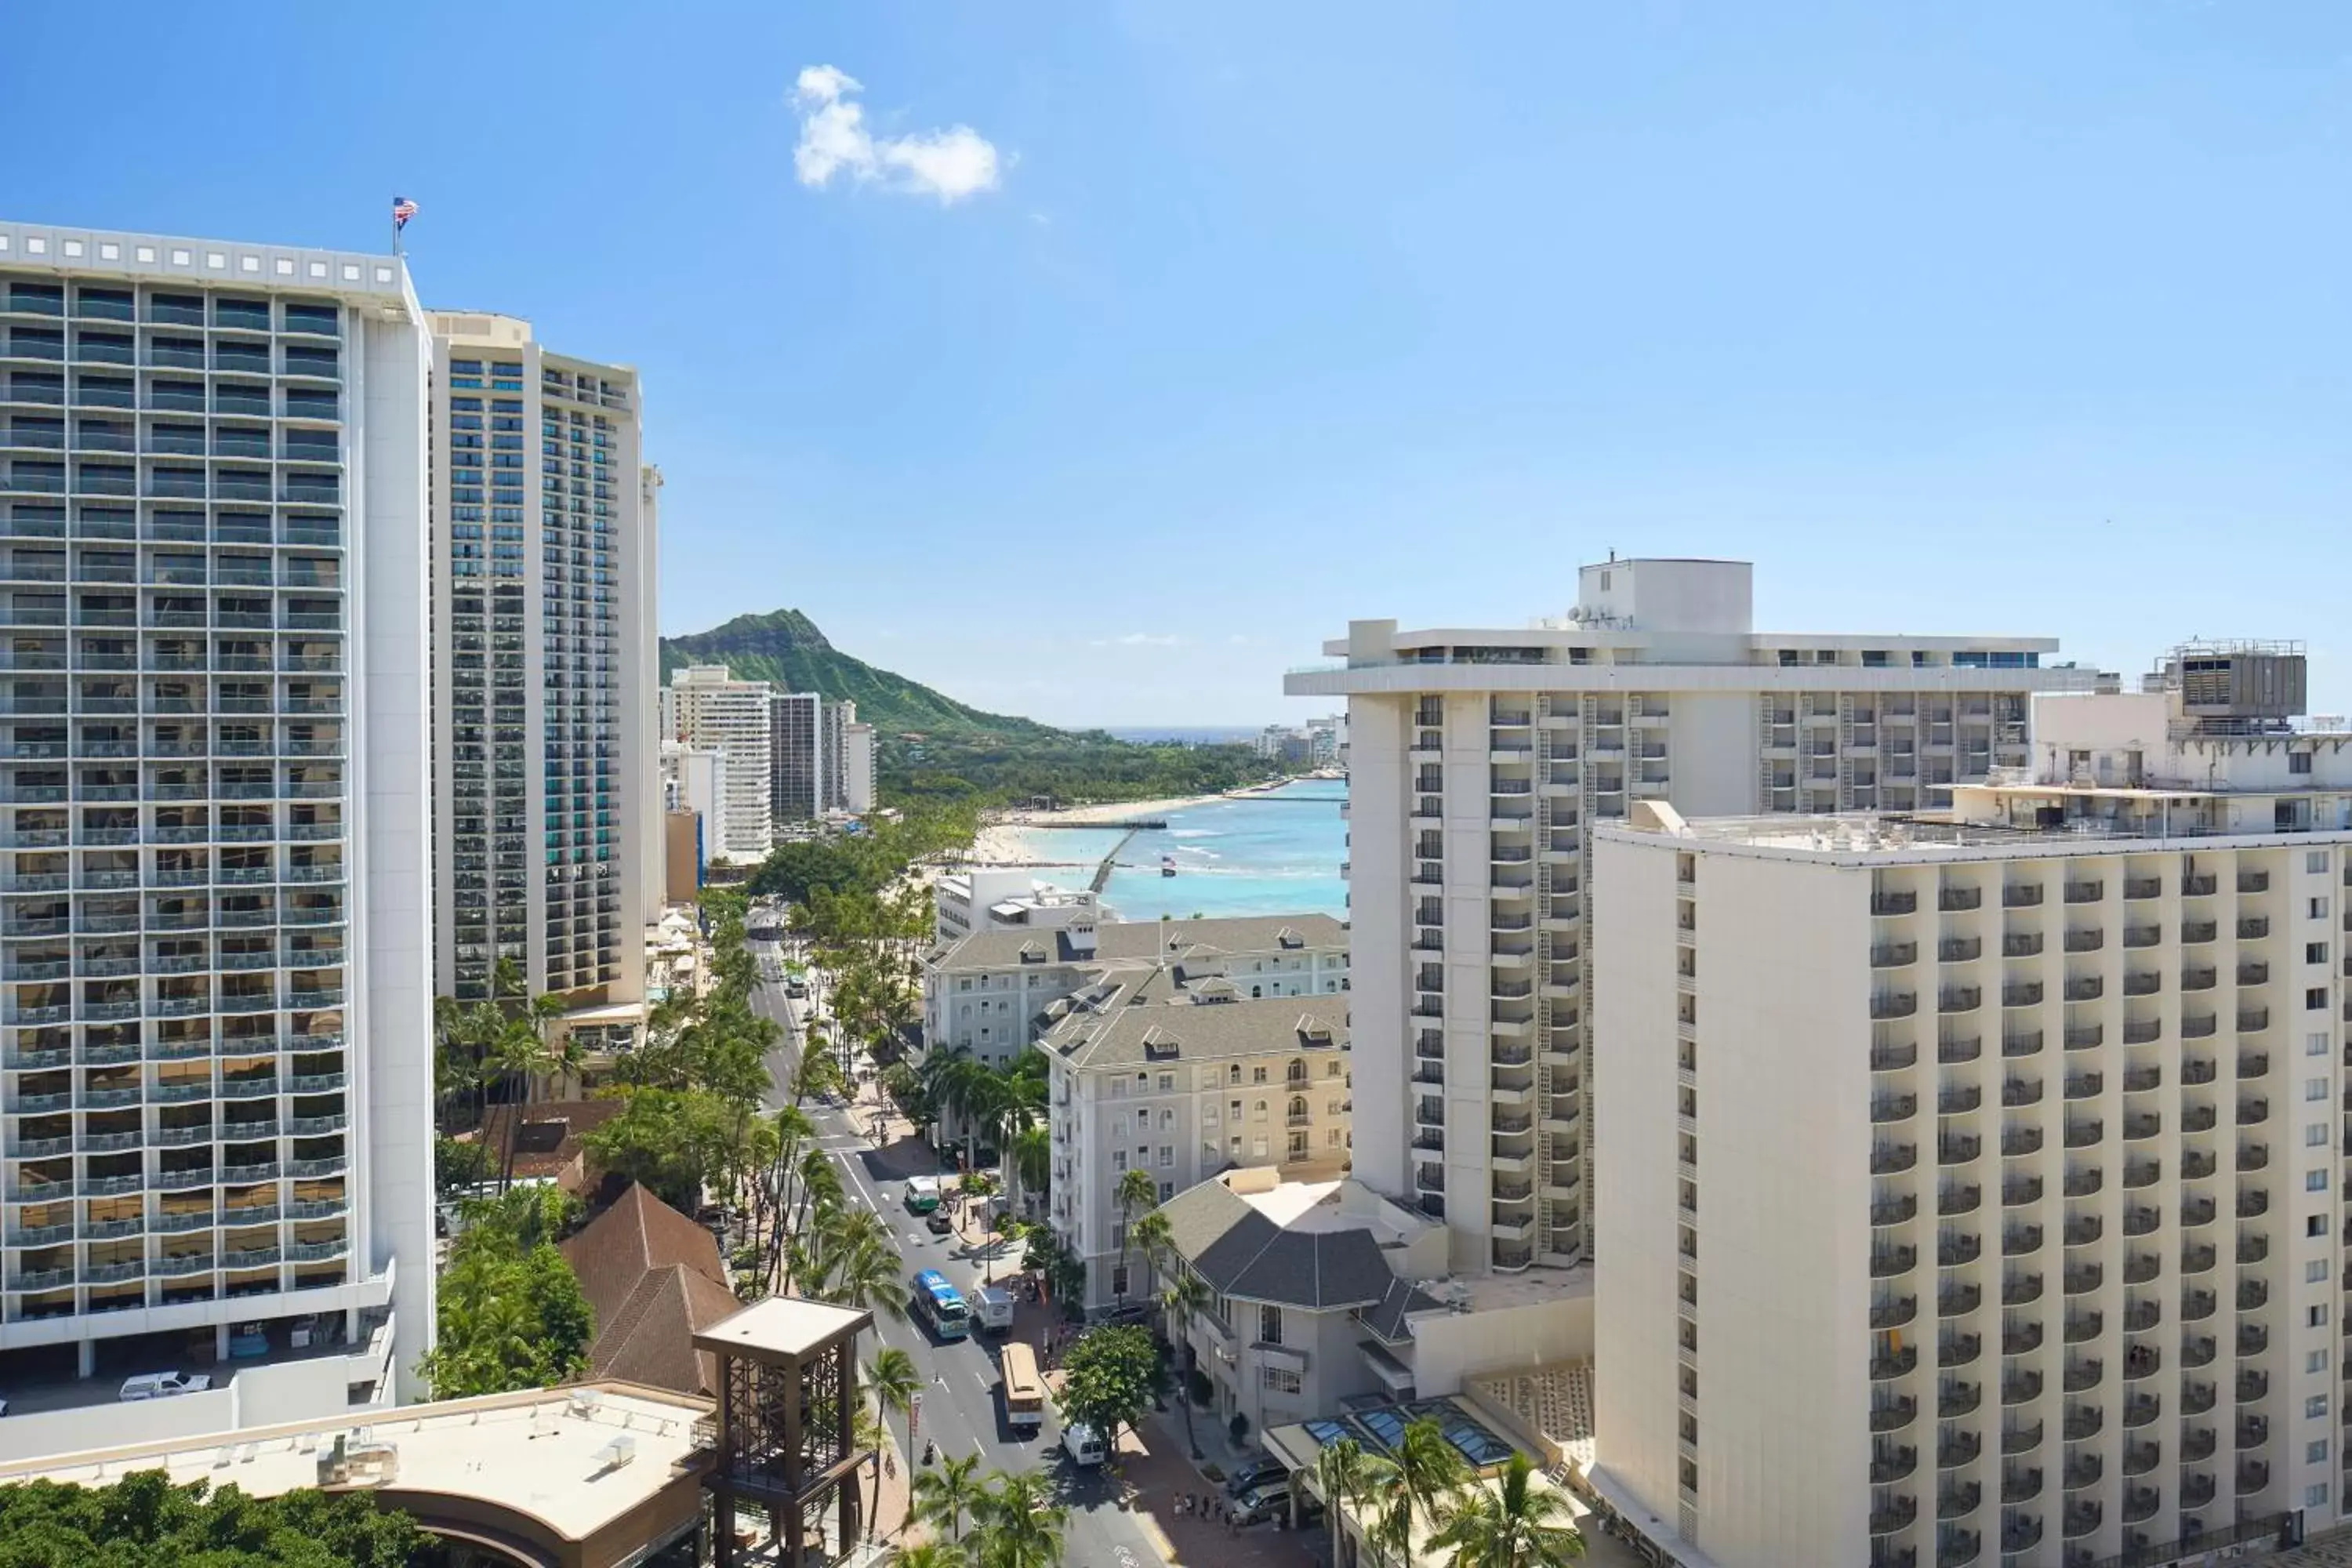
(1157, 1472)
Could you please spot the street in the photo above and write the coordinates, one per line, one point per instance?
(960, 1408)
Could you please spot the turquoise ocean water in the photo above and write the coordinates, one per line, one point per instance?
(1276, 856)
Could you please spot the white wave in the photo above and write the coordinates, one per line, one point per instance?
(1195, 833)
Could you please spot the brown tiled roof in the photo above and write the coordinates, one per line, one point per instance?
(548, 1143)
(654, 1279)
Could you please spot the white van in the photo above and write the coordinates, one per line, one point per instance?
(163, 1384)
(992, 1307)
(1082, 1443)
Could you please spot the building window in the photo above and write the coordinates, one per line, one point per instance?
(2315, 1494)
(1269, 1325)
(2315, 1273)
(1119, 1159)
(2314, 1089)
(1168, 1156)
(2314, 1360)
(2314, 953)
(1119, 1280)
(2314, 1181)
(2315, 1406)
(2300, 763)
(2314, 860)
(2315, 1135)
(2315, 999)
(1280, 1380)
(1168, 1083)
(2314, 1045)
(1167, 1191)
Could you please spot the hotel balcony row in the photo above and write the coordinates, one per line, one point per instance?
(248, 524)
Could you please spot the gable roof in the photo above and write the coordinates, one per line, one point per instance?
(1239, 1251)
(654, 1279)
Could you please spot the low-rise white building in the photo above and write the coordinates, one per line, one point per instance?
(1008, 897)
(1962, 1162)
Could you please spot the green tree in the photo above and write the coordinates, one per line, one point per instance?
(1019, 1523)
(1515, 1524)
(143, 1520)
(510, 1314)
(942, 1495)
(1184, 1296)
(1109, 1379)
(1136, 1191)
(1429, 1471)
(893, 1381)
(1348, 1478)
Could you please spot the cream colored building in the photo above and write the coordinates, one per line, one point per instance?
(1480, 762)
(989, 992)
(708, 709)
(547, 800)
(1979, 1192)
(1154, 1069)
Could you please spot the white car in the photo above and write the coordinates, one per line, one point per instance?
(163, 1384)
(1083, 1444)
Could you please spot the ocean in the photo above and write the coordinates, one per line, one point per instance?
(1278, 854)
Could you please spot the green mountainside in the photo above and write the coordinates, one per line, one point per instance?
(934, 748)
(785, 647)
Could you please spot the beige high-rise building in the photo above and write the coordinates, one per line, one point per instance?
(545, 754)
(1479, 762)
(1971, 1185)
(705, 709)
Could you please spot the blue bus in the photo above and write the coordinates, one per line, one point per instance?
(940, 1306)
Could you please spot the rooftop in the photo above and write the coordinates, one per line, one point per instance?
(1297, 1244)
(654, 1279)
(354, 277)
(784, 1326)
(1147, 942)
(546, 1457)
(1139, 1014)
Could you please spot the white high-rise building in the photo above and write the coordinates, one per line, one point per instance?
(216, 1067)
(707, 708)
(1971, 1186)
(546, 748)
(1479, 762)
(857, 766)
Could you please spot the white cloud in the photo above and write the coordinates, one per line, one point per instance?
(1137, 639)
(950, 164)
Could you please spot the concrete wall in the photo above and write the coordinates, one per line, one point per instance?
(390, 977)
(1378, 776)
(1449, 1350)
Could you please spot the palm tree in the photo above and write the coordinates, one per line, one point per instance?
(1154, 1240)
(1019, 1523)
(1347, 1476)
(943, 1496)
(1428, 1471)
(865, 1275)
(1136, 1190)
(1185, 1294)
(1515, 1525)
(892, 1379)
(933, 1554)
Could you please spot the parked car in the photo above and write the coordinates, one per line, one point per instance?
(1259, 1504)
(1083, 1444)
(163, 1384)
(1130, 1312)
(937, 1223)
(1259, 1471)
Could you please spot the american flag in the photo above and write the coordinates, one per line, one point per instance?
(403, 209)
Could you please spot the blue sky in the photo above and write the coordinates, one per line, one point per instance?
(2006, 317)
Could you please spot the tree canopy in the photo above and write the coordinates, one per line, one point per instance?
(1111, 1377)
(142, 1520)
(511, 1314)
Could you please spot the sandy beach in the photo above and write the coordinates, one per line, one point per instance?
(996, 842)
